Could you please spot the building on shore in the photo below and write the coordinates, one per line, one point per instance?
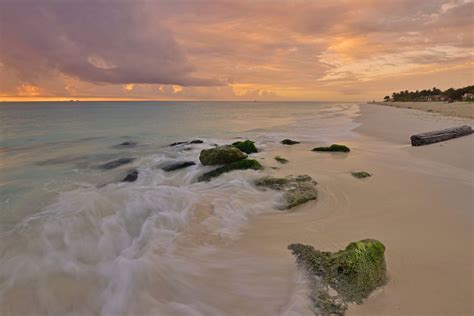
(468, 96)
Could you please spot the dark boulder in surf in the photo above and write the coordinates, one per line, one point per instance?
(195, 141)
(178, 165)
(297, 190)
(221, 155)
(353, 273)
(126, 145)
(246, 146)
(177, 143)
(236, 165)
(333, 148)
(287, 141)
(116, 163)
(132, 176)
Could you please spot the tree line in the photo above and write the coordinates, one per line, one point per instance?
(434, 94)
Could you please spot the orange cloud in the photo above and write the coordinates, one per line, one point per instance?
(28, 90)
(234, 49)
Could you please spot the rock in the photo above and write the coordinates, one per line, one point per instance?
(353, 272)
(236, 165)
(361, 174)
(116, 163)
(126, 145)
(281, 160)
(132, 176)
(287, 141)
(196, 141)
(177, 143)
(334, 148)
(247, 146)
(178, 165)
(221, 155)
(297, 190)
(327, 304)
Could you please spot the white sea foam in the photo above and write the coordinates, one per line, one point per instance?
(133, 247)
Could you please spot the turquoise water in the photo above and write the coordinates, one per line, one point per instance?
(75, 239)
(46, 147)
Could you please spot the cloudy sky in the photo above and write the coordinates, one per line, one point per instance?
(232, 49)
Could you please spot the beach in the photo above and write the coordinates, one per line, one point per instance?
(419, 203)
(459, 109)
(168, 245)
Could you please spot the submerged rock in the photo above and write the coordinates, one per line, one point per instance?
(333, 148)
(298, 190)
(247, 146)
(361, 174)
(196, 141)
(178, 165)
(132, 176)
(221, 155)
(116, 163)
(177, 143)
(236, 165)
(287, 141)
(126, 145)
(281, 160)
(353, 273)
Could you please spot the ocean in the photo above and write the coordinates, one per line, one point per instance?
(76, 240)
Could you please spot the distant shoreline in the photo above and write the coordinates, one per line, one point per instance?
(459, 109)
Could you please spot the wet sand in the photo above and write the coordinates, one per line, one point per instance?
(419, 203)
(459, 109)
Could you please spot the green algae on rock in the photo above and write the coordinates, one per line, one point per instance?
(221, 155)
(353, 272)
(236, 165)
(297, 190)
(247, 146)
(287, 141)
(334, 148)
(281, 160)
(361, 174)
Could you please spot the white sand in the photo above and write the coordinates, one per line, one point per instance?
(460, 109)
(419, 203)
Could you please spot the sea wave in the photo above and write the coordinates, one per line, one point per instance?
(133, 247)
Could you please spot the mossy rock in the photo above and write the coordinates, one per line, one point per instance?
(297, 190)
(353, 272)
(361, 174)
(221, 155)
(328, 305)
(287, 141)
(247, 146)
(236, 165)
(334, 148)
(281, 160)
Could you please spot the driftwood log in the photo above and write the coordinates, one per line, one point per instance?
(439, 136)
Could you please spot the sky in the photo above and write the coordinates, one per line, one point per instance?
(326, 50)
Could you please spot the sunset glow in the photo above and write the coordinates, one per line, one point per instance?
(232, 50)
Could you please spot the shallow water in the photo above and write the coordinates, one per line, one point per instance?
(76, 240)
